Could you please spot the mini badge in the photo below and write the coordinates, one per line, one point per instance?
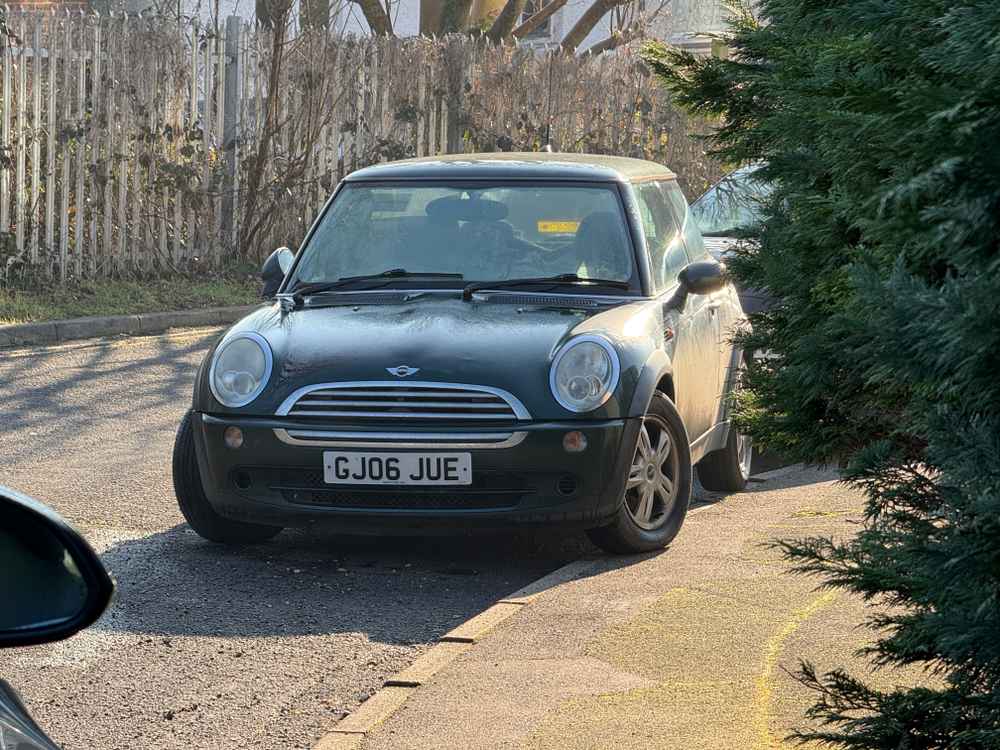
(402, 371)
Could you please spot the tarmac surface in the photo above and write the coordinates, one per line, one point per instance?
(207, 646)
(204, 646)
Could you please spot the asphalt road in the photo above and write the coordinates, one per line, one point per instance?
(206, 646)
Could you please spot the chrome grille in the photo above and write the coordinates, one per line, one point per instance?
(361, 438)
(411, 403)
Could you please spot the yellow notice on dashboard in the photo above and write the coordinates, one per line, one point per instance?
(558, 227)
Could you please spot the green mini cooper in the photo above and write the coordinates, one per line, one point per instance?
(475, 341)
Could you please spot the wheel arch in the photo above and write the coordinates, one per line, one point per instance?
(666, 386)
(657, 375)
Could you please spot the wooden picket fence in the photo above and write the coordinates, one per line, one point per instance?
(131, 146)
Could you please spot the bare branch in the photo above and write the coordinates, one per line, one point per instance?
(255, 178)
(314, 13)
(623, 36)
(586, 23)
(504, 23)
(377, 18)
(537, 19)
(616, 39)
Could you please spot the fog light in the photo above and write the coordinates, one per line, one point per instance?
(233, 437)
(243, 480)
(574, 442)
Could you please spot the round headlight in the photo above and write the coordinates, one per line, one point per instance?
(241, 369)
(584, 373)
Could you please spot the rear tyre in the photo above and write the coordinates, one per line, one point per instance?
(728, 469)
(658, 488)
(195, 508)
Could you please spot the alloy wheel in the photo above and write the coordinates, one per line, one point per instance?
(651, 490)
(744, 443)
(744, 451)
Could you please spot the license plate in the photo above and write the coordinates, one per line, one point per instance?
(341, 467)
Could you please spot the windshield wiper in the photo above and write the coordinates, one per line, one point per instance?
(563, 278)
(301, 291)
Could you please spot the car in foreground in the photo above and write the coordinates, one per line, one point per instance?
(475, 341)
(727, 209)
(52, 584)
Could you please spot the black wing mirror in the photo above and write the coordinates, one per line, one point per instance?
(700, 277)
(274, 269)
(53, 584)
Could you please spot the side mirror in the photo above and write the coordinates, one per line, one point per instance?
(54, 583)
(700, 277)
(274, 269)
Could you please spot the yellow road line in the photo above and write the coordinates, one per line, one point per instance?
(764, 688)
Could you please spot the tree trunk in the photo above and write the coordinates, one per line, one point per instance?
(377, 18)
(269, 12)
(314, 13)
(455, 16)
(590, 18)
(504, 23)
(537, 19)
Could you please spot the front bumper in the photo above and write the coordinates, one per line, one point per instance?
(532, 481)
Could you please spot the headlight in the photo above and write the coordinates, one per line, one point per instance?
(241, 369)
(584, 373)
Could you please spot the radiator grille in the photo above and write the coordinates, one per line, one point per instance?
(406, 403)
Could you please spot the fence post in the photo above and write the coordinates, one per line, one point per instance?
(34, 213)
(22, 129)
(6, 154)
(230, 125)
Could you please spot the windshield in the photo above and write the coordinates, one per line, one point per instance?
(484, 233)
(734, 202)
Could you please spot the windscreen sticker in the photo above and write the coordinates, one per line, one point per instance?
(558, 227)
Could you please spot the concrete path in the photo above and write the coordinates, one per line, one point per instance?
(688, 649)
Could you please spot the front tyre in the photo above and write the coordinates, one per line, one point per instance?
(658, 489)
(195, 508)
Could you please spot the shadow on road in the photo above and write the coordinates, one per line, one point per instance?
(399, 590)
(57, 395)
(392, 589)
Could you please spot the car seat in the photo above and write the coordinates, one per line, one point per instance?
(600, 246)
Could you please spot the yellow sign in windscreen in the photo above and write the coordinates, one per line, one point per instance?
(558, 227)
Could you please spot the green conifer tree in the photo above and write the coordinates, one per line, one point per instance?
(879, 125)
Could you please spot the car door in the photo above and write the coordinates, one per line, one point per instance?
(695, 356)
(721, 306)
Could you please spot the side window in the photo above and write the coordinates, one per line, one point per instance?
(663, 236)
(689, 227)
(649, 228)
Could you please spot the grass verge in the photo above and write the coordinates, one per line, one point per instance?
(124, 297)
